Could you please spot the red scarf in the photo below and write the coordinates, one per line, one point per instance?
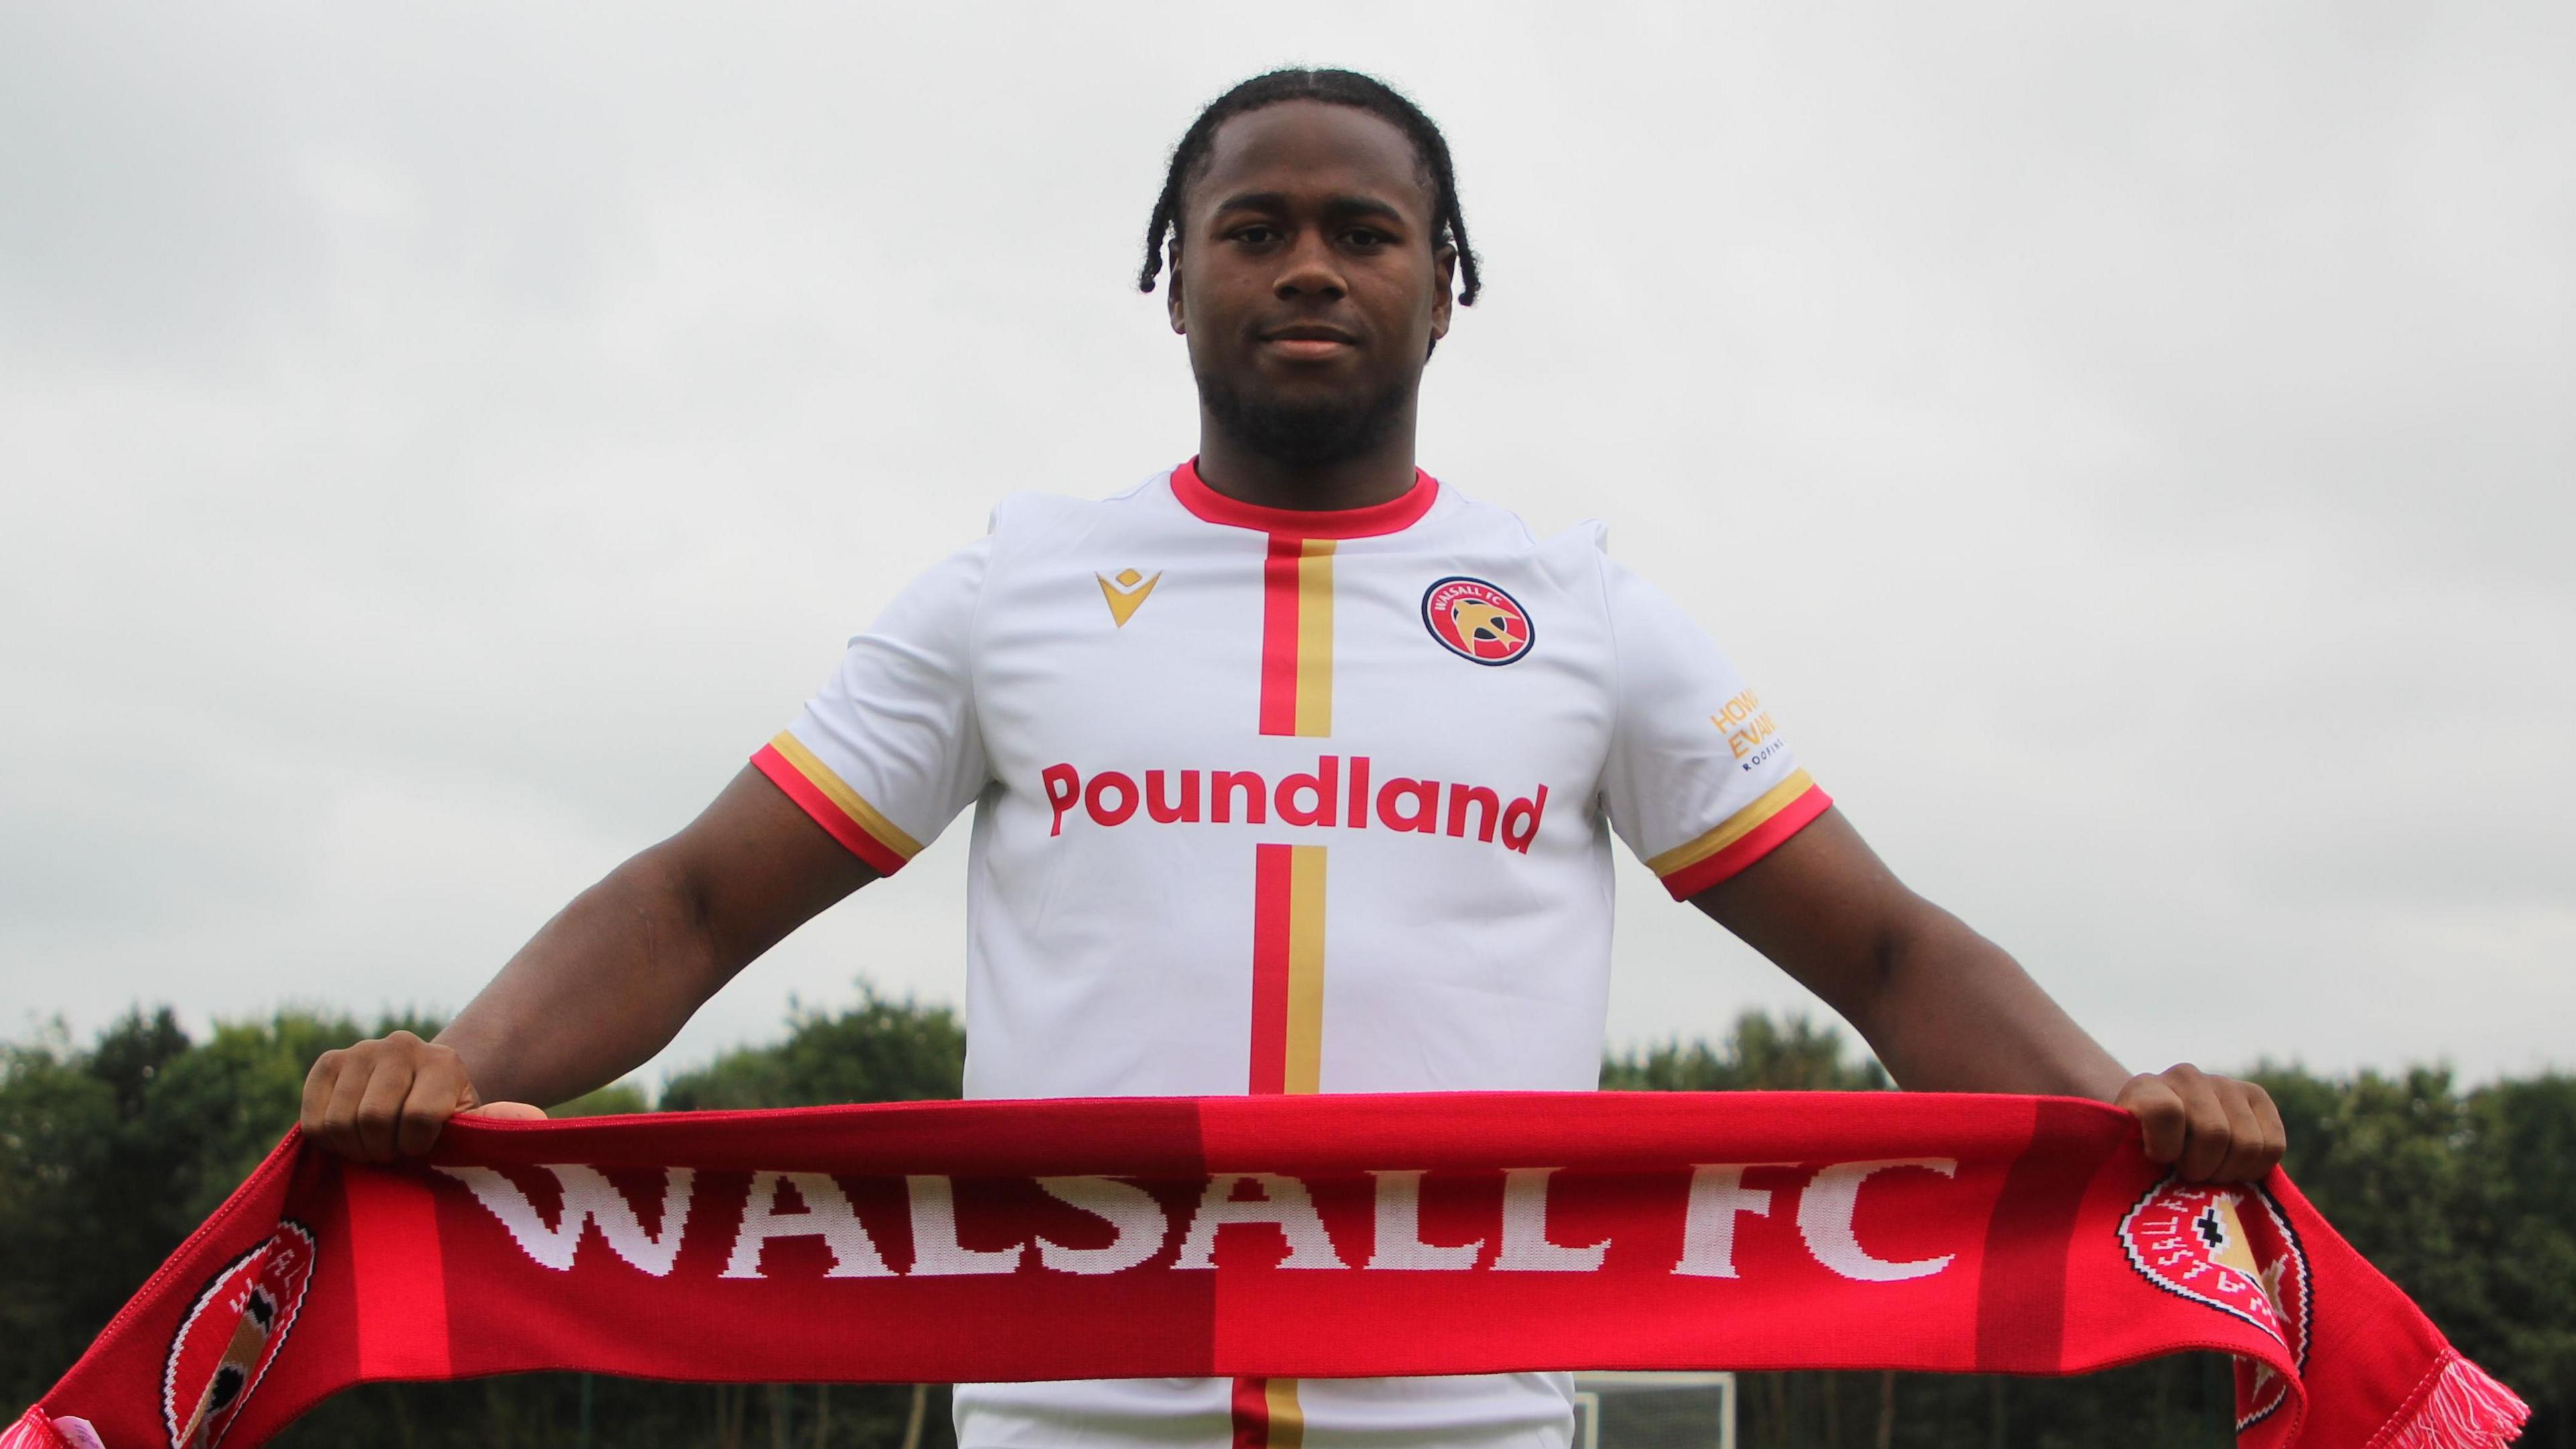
(1269, 1236)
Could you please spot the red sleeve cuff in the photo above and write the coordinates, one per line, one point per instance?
(834, 805)
(1726, 851)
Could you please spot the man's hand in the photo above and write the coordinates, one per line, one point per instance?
(2211, 1129)
(390, 1097)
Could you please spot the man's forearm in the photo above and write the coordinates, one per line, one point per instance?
(1954, 1012)
(600, 988)
(1948, 1011)
(606, 984)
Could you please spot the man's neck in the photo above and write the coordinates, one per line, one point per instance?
(1376, 476)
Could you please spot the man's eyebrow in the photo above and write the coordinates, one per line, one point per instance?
(1339, 207)
(1351, 206)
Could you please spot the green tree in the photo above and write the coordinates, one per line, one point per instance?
(2521, 1146)
(1796, 1055)
(2466, 1202)
(881, 1050)
(110, 1156)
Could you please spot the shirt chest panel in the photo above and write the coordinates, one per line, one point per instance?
(1178, 659)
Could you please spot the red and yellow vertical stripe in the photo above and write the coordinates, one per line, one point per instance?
(1267, 1415)
(1297, 637)
(1288, 905)
(1288, 898)
(1287, 1056)
(1287, 968)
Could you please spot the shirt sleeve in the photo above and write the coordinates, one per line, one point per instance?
(888, 751)
(1700, 783)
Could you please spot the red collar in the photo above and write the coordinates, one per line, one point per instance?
(1396, 514)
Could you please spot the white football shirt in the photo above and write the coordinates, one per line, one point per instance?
(1283, 801)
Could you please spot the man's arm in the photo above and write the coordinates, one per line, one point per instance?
(604, 985)
(1947, 1010)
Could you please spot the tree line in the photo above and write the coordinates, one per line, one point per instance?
(113, 1150)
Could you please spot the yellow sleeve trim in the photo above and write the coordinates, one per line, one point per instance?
(1743, 823)
(861, 813)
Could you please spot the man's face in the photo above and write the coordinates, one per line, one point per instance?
(1309, 285)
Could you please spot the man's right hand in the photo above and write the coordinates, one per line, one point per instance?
(389, 1097)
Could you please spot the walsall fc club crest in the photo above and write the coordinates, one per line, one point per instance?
(1474, 620)
(231, 1335)
(2229, 1246)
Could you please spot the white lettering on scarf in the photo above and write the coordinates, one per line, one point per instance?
(1825, 1220)
(1283, 1204)
(827, 1215)
(588, 1197)
(1140, 1228)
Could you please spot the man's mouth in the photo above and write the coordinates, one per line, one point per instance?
(1308, 341)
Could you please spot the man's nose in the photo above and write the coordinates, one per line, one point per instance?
(1312, 271)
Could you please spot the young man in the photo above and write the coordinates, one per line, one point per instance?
(1294, 771)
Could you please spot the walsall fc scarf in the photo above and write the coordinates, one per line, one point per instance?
(1269, 1236)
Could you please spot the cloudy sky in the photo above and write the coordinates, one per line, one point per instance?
(2133, 452)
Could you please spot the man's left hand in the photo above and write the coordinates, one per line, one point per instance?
(2211, 1129)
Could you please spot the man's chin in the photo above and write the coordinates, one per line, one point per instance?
(1315, 398)
(1311, 437)
(1305, 426)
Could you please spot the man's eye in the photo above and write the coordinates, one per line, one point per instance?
(1365, 237)
(1256, 235)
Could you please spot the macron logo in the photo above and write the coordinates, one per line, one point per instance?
(1111, 798)
(1126, 593)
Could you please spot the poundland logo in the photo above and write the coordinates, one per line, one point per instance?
(1337, 793)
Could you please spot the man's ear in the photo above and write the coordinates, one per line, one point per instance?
(1444, 264)
(1172, 294)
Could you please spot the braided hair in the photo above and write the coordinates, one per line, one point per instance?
(1333, 87)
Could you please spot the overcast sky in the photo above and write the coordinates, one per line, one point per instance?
(2131, 450)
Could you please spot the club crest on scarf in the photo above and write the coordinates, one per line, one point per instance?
(2228, 1246)
(232, 1334)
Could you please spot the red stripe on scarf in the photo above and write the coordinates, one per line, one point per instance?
(394, 1254)
(2021, 1304)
